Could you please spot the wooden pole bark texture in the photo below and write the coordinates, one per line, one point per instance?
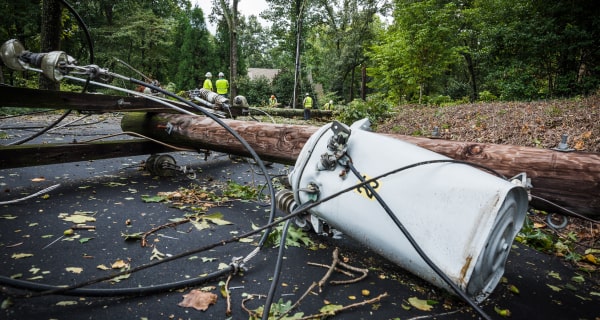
(571, 180)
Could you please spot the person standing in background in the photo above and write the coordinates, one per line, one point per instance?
(222, 85)
(308, 104)
(207, 82)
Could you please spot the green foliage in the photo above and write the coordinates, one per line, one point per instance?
(375, 108)
(256, 91)
(239, 191)
(296, 237)
(487, 96)
(276, 311)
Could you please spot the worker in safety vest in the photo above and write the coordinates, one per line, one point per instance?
(222, 85)
(308, 104)
(272, 101)
(328, 105)
(208, 83)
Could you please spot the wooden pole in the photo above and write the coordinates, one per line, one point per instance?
(571, 180)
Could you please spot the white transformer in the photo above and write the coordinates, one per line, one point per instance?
(463, 219)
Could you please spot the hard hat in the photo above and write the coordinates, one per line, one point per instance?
(208, 75)
(221, 74)
(330, 101)
(307, 93)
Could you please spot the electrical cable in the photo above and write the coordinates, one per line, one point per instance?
(276, 273)
(44, 130)
(416, 246)
(565, 210)
(133, 291)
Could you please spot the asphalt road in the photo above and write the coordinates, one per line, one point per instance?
(33, 248)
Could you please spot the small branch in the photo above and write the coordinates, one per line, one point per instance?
(228, 311)
(143, 241)
(347, 273)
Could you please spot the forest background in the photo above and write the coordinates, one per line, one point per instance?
(394, 51)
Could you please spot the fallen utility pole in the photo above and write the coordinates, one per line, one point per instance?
(571, 180)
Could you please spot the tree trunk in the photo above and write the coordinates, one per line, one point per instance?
(50, 34)
(571, 180)
(233, 51)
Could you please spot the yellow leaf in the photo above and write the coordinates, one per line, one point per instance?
(79, 218)
(365, 292)
(590, 258)
(119, 264)
(502, 312)
(419, 304)
(21, 255)
(352, 297)
(66, 303)
(76, 270)
(40, 179)
(102, 267)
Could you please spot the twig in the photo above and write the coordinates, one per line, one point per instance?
(251, 312)
(348, 273)
(143, 241)
(228, 311)
(321, 282)
(364, 272)
(334, 263)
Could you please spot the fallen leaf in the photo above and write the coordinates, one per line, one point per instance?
(102, 267)
(555, 288)
(66, 303)
(554, 275)
(205, 259)
(330, 309)
(502, 312)
(84, 240)
(422, 305)
(40, 179)
(79, 218)
(590, 258)
(119, 264)
(75, 270)
(198, 300)
(157, 254)
(21, 255)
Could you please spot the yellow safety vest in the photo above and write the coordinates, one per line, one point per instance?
(307, 103)
(222, 86)
(207, 85)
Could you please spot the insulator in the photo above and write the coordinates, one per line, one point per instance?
(285, 200)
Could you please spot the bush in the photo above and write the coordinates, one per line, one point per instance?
(375, 108)
(257, 91)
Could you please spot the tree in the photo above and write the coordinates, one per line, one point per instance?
(193, 48)
(417, 50)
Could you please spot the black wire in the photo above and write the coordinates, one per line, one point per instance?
(134, 291)
(276, 273)
(416, 246)
(39, 133)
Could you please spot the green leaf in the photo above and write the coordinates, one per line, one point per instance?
(153, 199)
(422, 305)
(331, 309)
(84, 240)
(554, 288)
(217, 218)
